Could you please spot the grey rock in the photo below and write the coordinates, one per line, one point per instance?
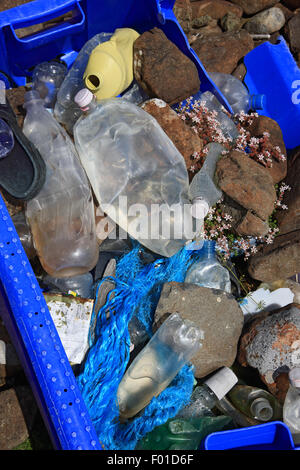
(266, 22)
(17, 414)
(214, 312)
(230, 22)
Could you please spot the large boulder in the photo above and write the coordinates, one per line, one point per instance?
(214, 312)
(279, 260)
(182, 135)
(289, 220)
(246, 182)
(221, 52)
(254, 6)
(162, 70)
(216, 9)
(271, 344)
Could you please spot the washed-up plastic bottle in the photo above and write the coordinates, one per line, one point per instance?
(208, 271)
(203, 191)
(24, 233)
(81, 285)
(255, 403)
(291, 407)
(62, 215)
(66, 110)
(174, 343)
(138, 176)
(237, 94)
(205, 397)
(47, 78)
(181, 434)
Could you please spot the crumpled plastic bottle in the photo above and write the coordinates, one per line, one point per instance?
(138, 176)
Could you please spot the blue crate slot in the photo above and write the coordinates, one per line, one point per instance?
(272, 70)
(26, 316)
(269, 436)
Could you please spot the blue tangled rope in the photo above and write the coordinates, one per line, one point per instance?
(136, 290)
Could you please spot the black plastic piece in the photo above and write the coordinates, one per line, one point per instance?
(23, 170)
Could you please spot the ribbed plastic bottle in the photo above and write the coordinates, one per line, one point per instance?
(237, 94)
(255, 403)
(62, 215)
(208, 271)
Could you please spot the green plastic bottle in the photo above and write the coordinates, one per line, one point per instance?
(255, 403)
(182, 434)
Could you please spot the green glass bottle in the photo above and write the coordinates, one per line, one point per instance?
(182, 434)
(255, 403)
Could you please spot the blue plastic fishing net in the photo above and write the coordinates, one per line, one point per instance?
(137, 289)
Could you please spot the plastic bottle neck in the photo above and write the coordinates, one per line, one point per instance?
(261, 409)
(33, 100)
(209, 249)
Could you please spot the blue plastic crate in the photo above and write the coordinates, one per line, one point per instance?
(269, 436)
(22, 304)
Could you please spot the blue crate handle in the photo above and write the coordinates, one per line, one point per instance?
(21, 54)
(93, 16)
(26, 316)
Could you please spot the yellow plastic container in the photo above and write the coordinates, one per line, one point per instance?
(110, 67)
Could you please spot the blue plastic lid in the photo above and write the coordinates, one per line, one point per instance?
(257, 102)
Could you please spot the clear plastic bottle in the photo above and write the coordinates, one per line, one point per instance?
(205, 397)
(174, 343)
(203, 191)
(81, 285)
(47, 78)
(138, 176)
(23, 230)
(255, 403)
(291, 407)
(66, 110)
(208, 272)
(62, 215)
(237, 94)
(226, 124)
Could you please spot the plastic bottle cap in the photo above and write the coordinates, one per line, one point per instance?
(83, 98)
(258, 102)
(222, 382)
(199, 208)
(294, 377)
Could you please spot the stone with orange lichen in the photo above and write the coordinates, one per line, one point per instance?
(271, 344)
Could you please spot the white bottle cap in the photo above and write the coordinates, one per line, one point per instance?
(294, 377)
(222, 382)
(199, 208)
(83, 98)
